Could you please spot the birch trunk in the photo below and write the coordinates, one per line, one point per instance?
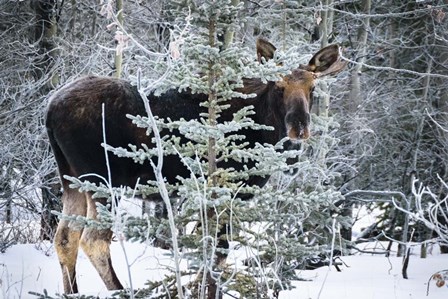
(355, 86)
(230, 33)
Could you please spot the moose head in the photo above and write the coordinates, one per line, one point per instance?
(295, 90)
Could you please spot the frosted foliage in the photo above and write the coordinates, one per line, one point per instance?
(285, 221)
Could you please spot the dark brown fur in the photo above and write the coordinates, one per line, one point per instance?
(74, 125)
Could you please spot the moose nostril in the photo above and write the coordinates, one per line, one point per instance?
(296, 133)
(293, 134)
(305, 133)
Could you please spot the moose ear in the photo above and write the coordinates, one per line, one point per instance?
(326, 62)
(265, 49)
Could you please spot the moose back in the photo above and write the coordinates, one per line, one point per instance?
(74, 125)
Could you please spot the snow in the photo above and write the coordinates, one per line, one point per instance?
(372, 277)
(29, 267)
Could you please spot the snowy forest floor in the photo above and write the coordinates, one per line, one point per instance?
(30, 267)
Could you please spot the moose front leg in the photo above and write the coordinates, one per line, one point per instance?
(96, 245)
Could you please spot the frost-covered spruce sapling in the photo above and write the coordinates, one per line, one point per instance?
(207, 143)
(214, 194)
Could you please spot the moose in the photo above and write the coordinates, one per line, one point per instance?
(74, 123)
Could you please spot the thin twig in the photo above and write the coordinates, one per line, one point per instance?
(114, 202)
(333, 239)
(391, 69)
(162, 187)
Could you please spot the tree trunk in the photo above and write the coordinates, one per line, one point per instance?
(355, 95)
(212, 289)
(413, 166)
(230, 33)
(443, 120)
(404, 269)
(73, 17)
(6, 195)
(45, 31)
(50, 202)
(119, 54)
(355, 84)
(324, 24)
(323, 97)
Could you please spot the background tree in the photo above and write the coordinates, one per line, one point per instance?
(386, 122)
(44, 44)
(28, 64)
(389, 134)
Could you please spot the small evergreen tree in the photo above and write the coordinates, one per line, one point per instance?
(286, 221)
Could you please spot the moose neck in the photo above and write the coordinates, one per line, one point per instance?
(267, 109)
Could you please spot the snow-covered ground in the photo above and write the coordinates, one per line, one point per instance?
(29, 267)
(35, 267)
(373, 277)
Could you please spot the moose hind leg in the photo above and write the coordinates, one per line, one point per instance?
(96, 245)
(66, 240)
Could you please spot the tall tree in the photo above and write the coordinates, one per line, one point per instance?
(118, 61)
(46, 70)
(389, 130)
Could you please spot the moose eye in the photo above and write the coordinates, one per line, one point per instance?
(279, 90)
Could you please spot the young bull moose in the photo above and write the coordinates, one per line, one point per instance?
(74, 125)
